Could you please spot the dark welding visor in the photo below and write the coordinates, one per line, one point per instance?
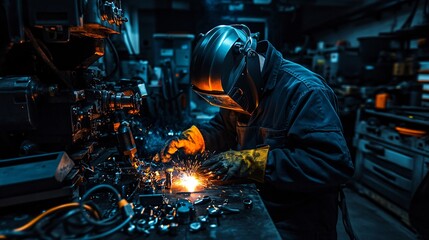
(219, 99)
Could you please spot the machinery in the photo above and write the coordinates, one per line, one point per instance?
(75, 147)
(60, 105)
(55, 94)
(391, 156)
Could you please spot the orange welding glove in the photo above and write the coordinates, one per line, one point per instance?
(190, 141)
(243, 164)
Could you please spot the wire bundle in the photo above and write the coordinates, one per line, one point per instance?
(75, 220)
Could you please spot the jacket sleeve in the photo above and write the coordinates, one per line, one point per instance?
(315, 155)
(219, 133)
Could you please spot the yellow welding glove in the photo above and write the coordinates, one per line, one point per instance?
(190, 141)
(243, 164)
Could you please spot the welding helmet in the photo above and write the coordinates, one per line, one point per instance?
(225, 68)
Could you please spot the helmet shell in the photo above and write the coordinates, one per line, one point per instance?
(216, 61)
(219, 69)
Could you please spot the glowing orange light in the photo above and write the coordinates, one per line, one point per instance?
(189, 182)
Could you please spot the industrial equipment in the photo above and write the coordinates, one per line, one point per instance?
(75, 146)
(391, 155)
(56, 94)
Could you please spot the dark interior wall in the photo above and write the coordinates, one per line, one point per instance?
(369, 23)
(287, 24)
(278, 23)
(272, 24)
(162, 21)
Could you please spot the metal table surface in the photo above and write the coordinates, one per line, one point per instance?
(254, 223)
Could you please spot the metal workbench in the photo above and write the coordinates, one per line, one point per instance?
(247, 223)
(254, 223)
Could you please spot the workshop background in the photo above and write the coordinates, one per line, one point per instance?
(91, 90)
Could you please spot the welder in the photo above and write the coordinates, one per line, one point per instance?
(278, 126)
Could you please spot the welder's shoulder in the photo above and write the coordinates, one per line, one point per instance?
(296, 74)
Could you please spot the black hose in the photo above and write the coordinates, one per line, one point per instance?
(166, 89)
(170, 88)
(102, 222)
(345, 215)
(116, 57)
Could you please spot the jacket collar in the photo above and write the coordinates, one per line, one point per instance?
(271, 65)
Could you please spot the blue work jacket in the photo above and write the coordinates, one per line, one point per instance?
(308, 159)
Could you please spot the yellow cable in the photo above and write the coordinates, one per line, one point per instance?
(51, 210)
(122, 203)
